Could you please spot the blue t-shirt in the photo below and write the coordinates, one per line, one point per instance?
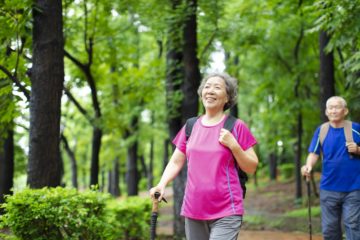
(340, 171)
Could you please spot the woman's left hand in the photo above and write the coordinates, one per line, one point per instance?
(227, 139)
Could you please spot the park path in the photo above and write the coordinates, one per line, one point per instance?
(164, 227)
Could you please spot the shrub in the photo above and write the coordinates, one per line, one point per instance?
(287, 170)
(131, 217)
(57, 213)
(62, 213)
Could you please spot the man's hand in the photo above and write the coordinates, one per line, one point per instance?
(305, 171)
(352, 147)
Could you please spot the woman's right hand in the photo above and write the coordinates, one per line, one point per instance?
(158, 189)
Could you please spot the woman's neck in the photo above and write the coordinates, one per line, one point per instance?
(212, 118)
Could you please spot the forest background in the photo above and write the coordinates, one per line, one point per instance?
(92, 92)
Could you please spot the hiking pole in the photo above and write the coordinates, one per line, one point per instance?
(309, 205)
(154, 215)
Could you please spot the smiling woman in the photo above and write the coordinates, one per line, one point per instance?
(213, 201)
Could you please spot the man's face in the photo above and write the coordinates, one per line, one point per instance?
(335, 110)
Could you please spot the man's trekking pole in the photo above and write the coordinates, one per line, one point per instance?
(307, 179)
(154, 215)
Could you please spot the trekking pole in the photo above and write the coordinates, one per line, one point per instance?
(307, 179)
(154, 215)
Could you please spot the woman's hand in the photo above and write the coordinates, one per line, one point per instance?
(158, 189)
(227, 139)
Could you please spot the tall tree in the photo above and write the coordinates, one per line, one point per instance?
(174, 76)
(47, 76)
(6, 165)
(326, 77)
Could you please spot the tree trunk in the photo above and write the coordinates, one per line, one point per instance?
(71, 154)
(95, 151)
(47, 76)
(298, 151)
(132, 175)
(273, 166)
(190, 103)
(327, 79)
(6, 165)
(150, 176)
(114, 179)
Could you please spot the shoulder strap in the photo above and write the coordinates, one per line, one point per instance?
(348, 131)
(324, 128)
(189, 126)
(230, 123)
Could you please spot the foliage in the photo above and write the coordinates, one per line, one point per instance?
(131, 217)
(258, 40)
(286, 170)
(61, 213)
(303, 212)
(56, 213)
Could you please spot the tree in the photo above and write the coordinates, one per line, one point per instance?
(326, 77)
(47, 76)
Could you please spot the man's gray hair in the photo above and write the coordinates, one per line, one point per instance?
(230, 84)
(341, 99)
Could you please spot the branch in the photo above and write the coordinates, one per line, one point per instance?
(207, 46)
(75, 61)
(77, 104)
(16, 81)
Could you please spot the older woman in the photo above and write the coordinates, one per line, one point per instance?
(213, 201)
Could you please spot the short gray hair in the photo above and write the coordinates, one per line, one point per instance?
(338, 98)
(230, 85)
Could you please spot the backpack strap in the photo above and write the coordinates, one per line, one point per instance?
(189, 126)
(348, 131)
(324, 128)
(230, 123)
(243, 177)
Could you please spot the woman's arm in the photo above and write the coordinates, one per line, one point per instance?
(172, 169)
(247, 160)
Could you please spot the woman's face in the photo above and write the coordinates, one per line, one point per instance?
(214, 94)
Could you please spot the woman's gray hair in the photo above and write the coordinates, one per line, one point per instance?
(230, 84)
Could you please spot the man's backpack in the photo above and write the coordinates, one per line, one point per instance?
(229, 125)
(324, 128)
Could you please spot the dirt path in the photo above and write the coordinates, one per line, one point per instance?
(272, 235)
(263, 203)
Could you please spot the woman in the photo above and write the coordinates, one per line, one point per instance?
(213, 202)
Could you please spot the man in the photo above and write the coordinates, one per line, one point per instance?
(340, 180)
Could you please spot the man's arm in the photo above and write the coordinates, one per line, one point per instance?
(310, 163)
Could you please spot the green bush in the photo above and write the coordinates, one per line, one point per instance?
(287, 170)
(131, 217)
(56, 213)
(61, 213)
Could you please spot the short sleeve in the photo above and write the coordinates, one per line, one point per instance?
(180, 140)
(315, 143)
(243, 135)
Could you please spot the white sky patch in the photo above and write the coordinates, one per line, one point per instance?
(71, 12)
(114, 13)
(217, 59)
(146, 116)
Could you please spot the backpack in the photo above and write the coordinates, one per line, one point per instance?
(324, 128)
(228, 125)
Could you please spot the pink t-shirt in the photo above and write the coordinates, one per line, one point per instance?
(212, 189)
